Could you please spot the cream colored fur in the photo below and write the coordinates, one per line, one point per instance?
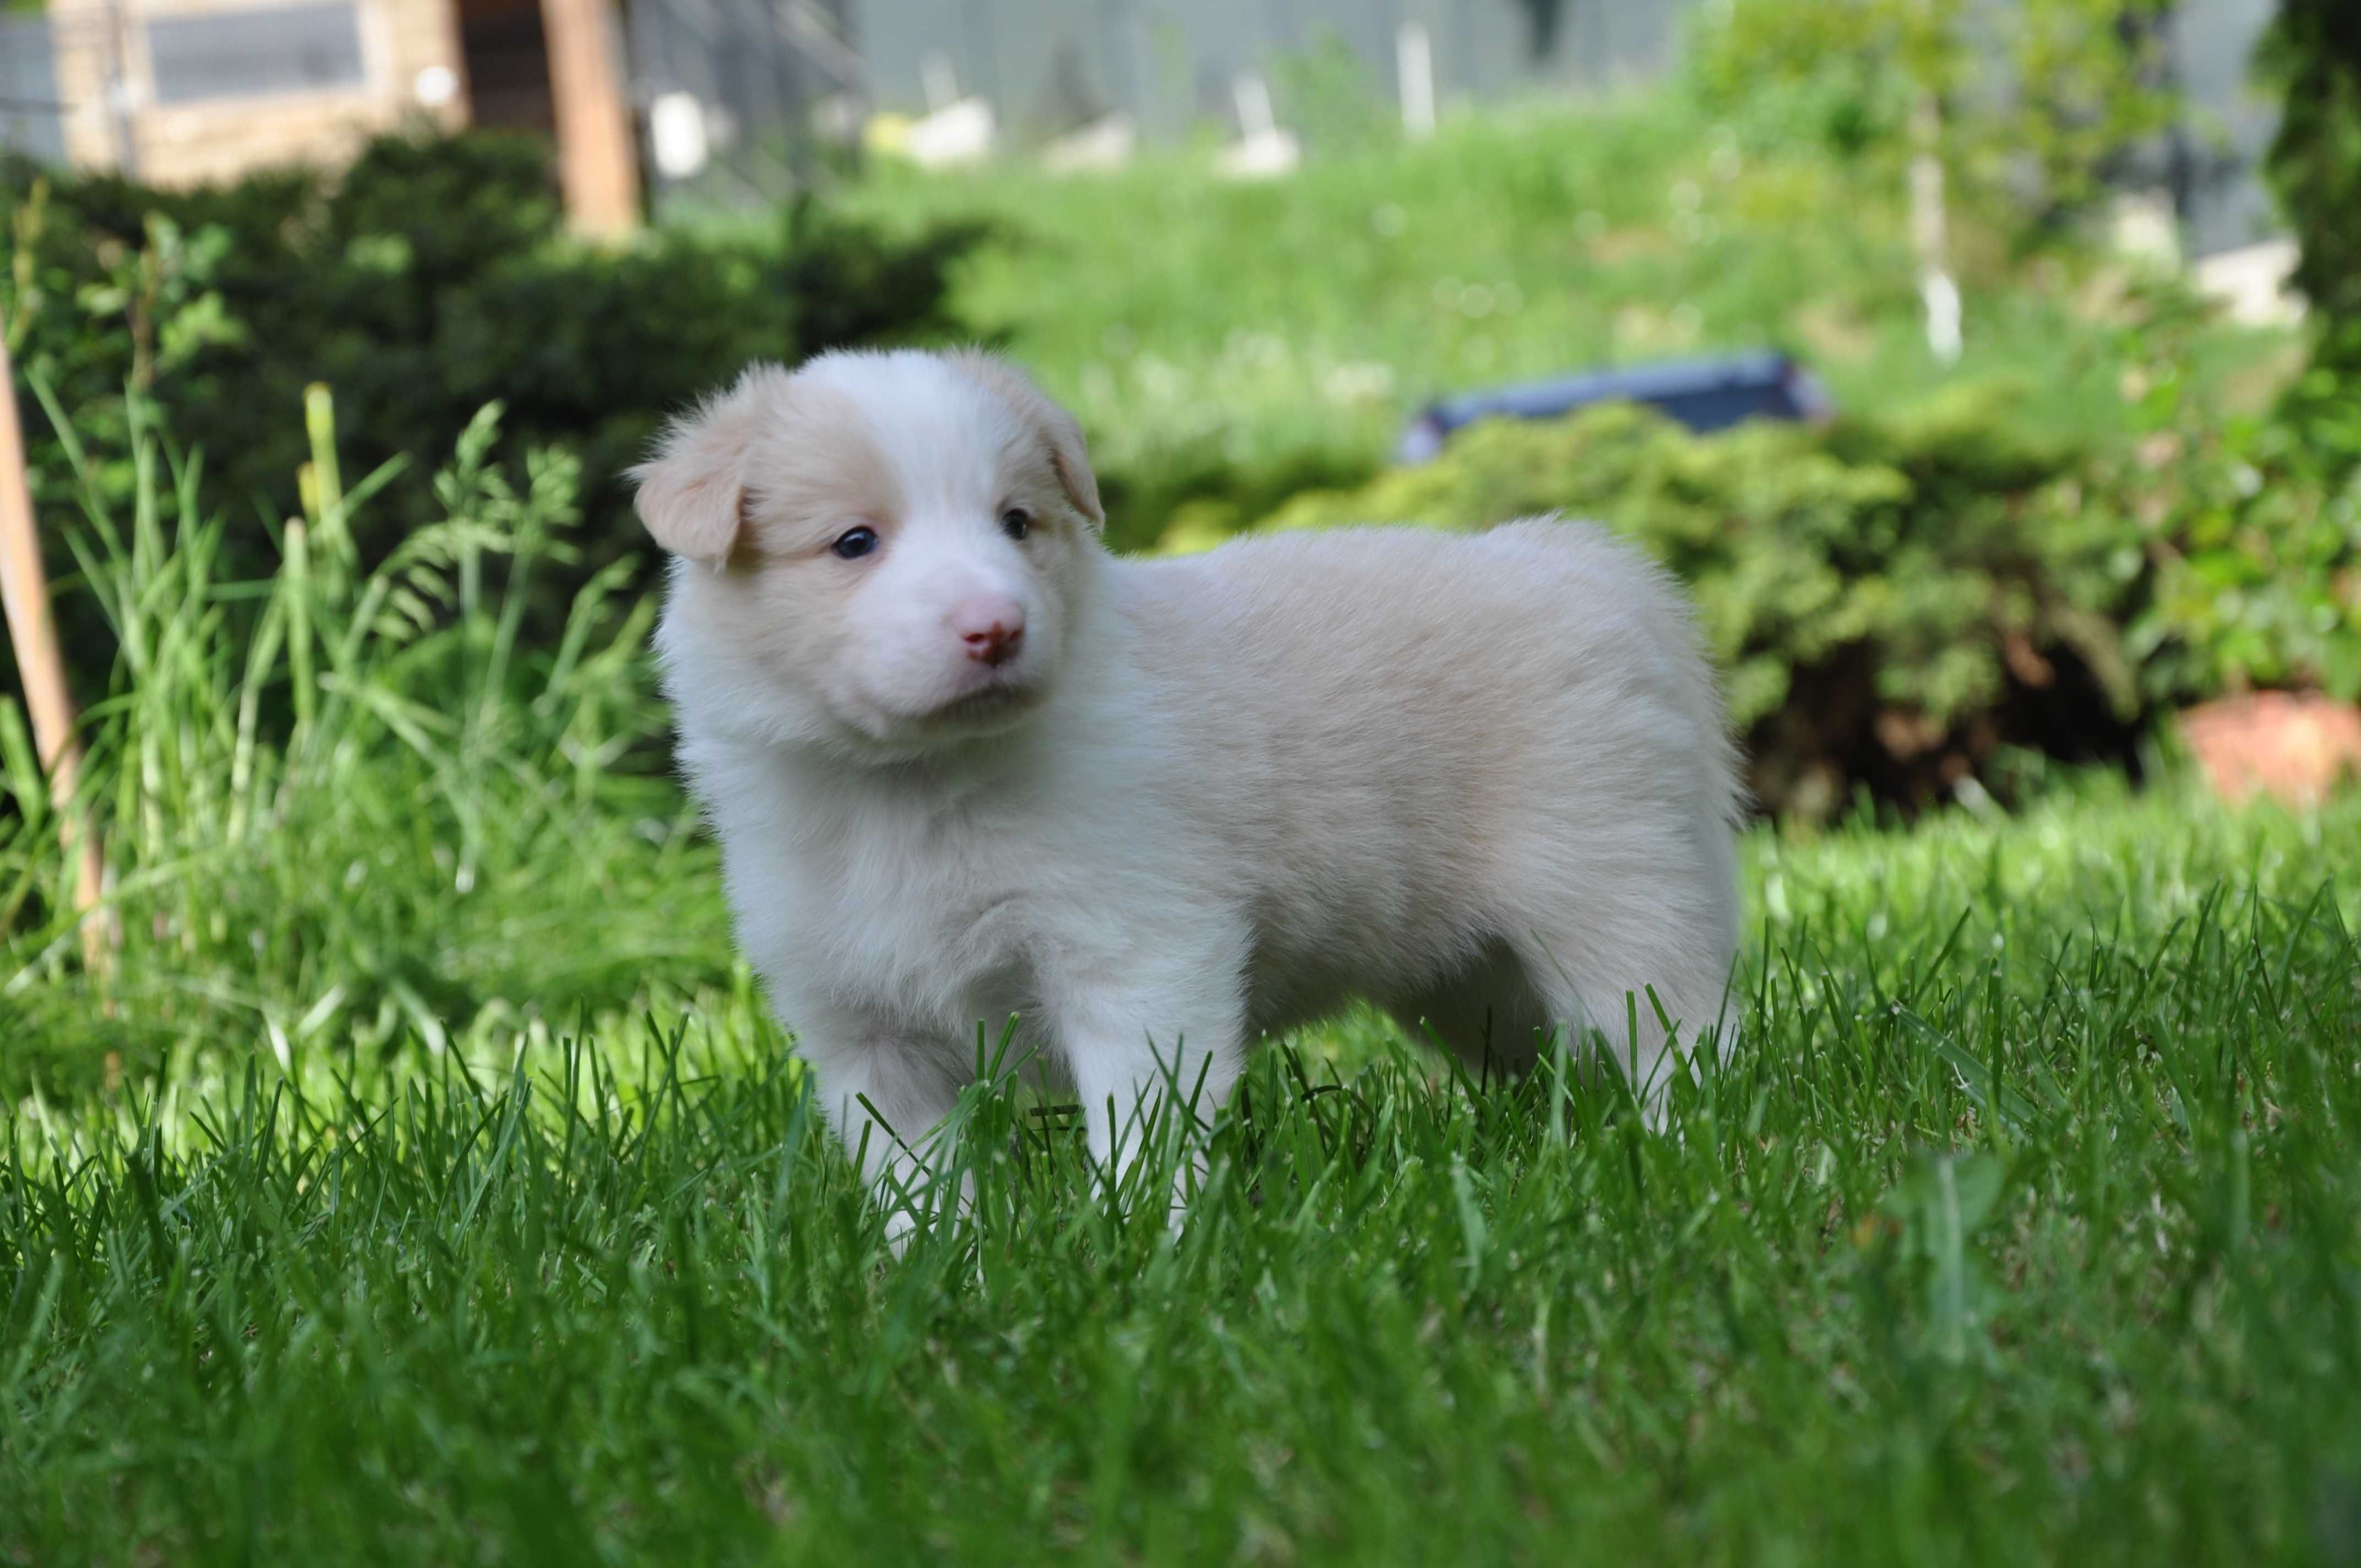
(1484, 781)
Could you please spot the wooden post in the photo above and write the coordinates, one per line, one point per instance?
(25, 596)
(597, 154)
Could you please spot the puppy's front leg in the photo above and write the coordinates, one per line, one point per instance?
(1166, 1042)
(886, 1094)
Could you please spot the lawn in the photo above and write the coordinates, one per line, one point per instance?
(2024, 1224)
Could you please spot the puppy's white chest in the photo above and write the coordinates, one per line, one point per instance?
(958, 913)
(924, 913)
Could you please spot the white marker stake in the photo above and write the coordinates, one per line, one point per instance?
(1930, 236)
(1253, 96)
(1414, 65)
(939, 82)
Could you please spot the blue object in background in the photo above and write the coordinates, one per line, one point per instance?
(1703, 394)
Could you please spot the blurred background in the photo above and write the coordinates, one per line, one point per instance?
(1982, 366)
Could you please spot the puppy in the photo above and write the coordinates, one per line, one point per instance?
(965, 764)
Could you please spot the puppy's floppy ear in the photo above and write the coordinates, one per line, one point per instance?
(1071, 458)
(1069, 455)
(692, 493)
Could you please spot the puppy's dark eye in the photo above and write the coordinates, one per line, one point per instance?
(855, 543)
(1016, 522)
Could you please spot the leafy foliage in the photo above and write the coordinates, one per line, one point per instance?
(1904, 601)
(2249, 521)
(2063, 91)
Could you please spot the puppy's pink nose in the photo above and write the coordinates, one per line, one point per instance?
(993, 629)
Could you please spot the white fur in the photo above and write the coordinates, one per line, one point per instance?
(1484, 781)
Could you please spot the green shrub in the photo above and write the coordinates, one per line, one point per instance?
(1894, 602)
(1903, 602)
(429, 278)
(2040, 102)
(2251, 529)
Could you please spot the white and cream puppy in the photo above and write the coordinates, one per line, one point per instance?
(965, 764)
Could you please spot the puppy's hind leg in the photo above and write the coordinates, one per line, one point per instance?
(1615, 987)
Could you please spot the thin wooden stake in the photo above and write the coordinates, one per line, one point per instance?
(24, 598)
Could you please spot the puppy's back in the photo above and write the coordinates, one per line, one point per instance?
(1513, 645)
(1420, 739)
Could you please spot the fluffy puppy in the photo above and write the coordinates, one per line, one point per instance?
(963, 763)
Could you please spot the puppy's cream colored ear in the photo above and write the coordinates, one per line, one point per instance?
(1071, 458)
(692, 493)
(1060, 432)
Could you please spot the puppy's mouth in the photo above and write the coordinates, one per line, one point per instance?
(997, 696)
(996, 701)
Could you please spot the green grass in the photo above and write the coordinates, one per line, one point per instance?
(421, 1183)
(2022, 1226)
(1255, 337)
(346, 809)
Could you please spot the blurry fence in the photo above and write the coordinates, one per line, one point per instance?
(1169, 65)
(729, 90)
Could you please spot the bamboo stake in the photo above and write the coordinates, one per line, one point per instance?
(24, 598)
